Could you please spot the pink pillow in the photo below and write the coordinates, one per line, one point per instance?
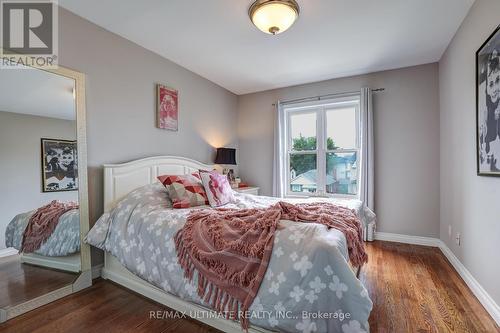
(185, 191)
(217, 187)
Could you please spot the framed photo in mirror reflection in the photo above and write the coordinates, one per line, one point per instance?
(59, 164)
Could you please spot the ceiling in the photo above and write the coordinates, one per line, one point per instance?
(331, 38)
(36, 92)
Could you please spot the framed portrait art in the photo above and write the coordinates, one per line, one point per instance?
(59, 165)
(167, 108)
(488, 106)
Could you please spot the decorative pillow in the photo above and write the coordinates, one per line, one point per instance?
(217, 187)
(185, 191)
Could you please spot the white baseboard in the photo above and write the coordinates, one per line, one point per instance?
(97, 271)
(415, 240)
(10, 251)
(484, 298)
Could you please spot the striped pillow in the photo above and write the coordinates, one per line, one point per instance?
(185, 191)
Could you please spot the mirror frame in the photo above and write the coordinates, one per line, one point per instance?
(84, 280)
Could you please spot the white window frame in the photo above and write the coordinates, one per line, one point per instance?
(320, 108)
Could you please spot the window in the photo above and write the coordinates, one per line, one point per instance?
(323, 147)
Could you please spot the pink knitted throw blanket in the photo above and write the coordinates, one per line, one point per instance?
(230, 249)
(42, 224)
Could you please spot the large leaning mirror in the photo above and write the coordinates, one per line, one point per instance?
(43, 201)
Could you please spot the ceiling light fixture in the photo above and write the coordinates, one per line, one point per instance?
(274, 16)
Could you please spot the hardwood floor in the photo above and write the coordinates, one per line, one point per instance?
(22, 282)
(413, 288)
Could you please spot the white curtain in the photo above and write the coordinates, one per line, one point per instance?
(279, 152)
(367, 150)
(367, 168)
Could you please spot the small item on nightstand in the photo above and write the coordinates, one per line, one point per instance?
(243, 185)
(236, 182)
(230, 175)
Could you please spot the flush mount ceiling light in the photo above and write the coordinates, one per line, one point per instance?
(274, 16)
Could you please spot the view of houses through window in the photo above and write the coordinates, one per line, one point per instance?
(323, 148)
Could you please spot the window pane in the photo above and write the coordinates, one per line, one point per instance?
(303, 131)
(342, 173)
(341, 128)
(303, 173)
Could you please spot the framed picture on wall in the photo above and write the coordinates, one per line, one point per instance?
(488, 106)
(167, 108)
(59, 165)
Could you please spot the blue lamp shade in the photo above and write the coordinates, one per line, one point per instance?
(225, 156)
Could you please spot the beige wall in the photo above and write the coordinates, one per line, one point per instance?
(469, 203)
(406, 126)
(20, 160)
(121, 79)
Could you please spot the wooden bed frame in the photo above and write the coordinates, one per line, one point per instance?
(121, 179)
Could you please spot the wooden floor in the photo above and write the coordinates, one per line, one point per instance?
(22, 282)
(413, 288)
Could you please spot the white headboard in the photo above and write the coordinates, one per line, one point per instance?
(121, 179)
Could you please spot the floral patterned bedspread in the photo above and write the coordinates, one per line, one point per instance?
(65, 239)
(308, 286)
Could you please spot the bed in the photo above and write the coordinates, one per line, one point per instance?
(308, 270)
(61, 250)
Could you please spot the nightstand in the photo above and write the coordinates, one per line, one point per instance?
(248, 190)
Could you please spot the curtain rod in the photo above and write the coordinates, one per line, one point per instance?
(320, 97)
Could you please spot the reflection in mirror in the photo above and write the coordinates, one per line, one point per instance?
(39, 214)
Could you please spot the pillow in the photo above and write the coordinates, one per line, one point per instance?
(217, 187)
(185, 191)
